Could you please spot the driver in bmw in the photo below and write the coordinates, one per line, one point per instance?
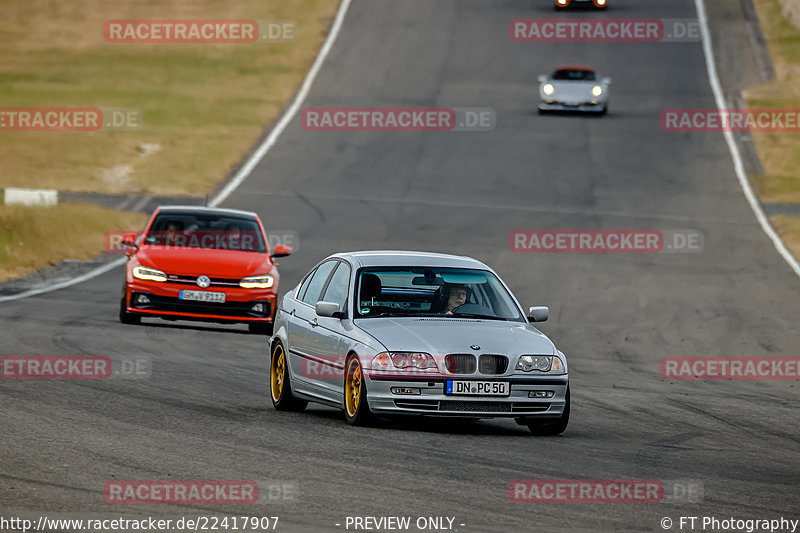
(456, 296)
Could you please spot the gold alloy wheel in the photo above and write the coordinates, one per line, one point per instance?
(352, 387)
(277, 373)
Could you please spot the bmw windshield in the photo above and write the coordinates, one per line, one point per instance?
(426, 292)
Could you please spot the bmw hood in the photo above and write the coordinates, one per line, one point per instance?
(441, 336)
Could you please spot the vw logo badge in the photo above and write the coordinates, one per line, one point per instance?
(203, 281)
(475, 347)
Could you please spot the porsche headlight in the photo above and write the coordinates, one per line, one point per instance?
(597, 90)
(540, 363)
(149, 274)
(548, 89)
(257, 282)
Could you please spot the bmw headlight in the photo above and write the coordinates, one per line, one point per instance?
(149, 274)
(548, 89)
(540, 363)
(257, 282)
(408, 361)
(597, 90)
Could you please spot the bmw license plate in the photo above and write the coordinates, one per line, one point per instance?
(203, 296)
(478, 388)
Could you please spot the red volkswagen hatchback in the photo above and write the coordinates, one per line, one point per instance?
(199, 263)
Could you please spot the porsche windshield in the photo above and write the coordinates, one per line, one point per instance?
(444, 292)
(218, 231)
(574, 75)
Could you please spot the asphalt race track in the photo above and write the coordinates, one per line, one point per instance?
(205, 411)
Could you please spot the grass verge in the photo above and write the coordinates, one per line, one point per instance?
(780, 152)
(34, 237)
(203, 105)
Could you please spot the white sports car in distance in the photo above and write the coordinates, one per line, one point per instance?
(574, 89)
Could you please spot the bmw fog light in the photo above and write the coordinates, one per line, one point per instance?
(405, 390)
(541, 394)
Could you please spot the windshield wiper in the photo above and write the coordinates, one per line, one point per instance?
(477, 315)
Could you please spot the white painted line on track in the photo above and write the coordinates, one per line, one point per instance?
(272, 138)
(74, 281)
(738, 163)
(246, 169)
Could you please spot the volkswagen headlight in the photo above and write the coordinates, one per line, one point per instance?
(548, 89)
(597, 90)
(257, 282)
(149, 274)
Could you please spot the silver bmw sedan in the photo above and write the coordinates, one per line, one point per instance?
(415, 333)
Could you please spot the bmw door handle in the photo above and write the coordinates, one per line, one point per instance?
(314, 323)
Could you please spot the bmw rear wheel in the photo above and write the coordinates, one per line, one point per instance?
(279, 383)
(356, 408)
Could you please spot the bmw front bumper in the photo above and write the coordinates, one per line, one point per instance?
(432, 400)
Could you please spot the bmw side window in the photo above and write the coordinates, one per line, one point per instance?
(311, 297)
(302, 290)
(338, 285)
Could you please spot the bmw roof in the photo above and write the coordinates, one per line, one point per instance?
(409, 258)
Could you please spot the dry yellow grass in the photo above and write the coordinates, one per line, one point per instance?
(34, 237)
(789, 229)
(204, 104)
(779, 152)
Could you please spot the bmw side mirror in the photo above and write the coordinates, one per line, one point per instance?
(538, 314)
(329, 309)
(542, 79)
